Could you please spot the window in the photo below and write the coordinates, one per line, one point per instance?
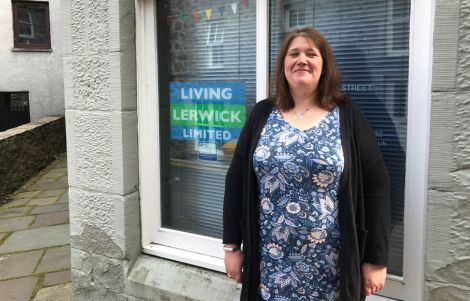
(182, 177)
(31, 25)
(202, 109)
(295, 15)
(215, 43)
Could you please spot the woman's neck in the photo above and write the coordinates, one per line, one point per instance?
(304, 100)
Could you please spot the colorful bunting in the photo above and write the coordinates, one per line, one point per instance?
(246, 2)
(209, 13)
(196, 15)
(184, 17)
(234, 7)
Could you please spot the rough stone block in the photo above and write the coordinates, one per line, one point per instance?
(106, 273)
(103, 154)
(90, 159)
(123, 84)
(463, 67)
(441, 206)
(444, 292)
(448, 239)
(90, 83)
(462, 131)
(442, 145)
(445, 45)
(89, 26)
(125, 151)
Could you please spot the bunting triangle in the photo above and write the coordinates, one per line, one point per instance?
(168, 19)
(196, 15)
(246, 3)
(234, 7)
(209, 13)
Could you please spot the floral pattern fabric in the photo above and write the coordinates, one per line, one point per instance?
(298, 174)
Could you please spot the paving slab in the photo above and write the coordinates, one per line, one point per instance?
(61, 292)
(2, 235)
(43, 201)
(7, 213)
(50, 208)
(49, 185)
(36, 239)
(15, 223)
(49, 219)
(64, 198)
(18, 289)
(19, 264)
(26, 194)
(17, 203)
(55, 259)
(55, 278)
(51, 192)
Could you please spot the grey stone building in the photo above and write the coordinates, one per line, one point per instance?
(157, 91)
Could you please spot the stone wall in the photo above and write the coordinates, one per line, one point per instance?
(448, 213)
(28, 148)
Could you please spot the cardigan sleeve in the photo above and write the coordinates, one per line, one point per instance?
(238, 174)
(376, 191)
(233, 196)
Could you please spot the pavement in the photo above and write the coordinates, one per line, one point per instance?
(35, 239)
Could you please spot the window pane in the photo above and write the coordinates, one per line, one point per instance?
(207, 61)
(370, 41)
(32, 24)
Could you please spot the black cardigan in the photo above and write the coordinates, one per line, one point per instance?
(364, 202)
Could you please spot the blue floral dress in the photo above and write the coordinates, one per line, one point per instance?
(298, 174)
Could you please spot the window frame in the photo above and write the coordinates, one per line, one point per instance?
(408, 287)
(16, 24)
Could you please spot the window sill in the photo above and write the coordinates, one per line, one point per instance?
(31, 49)
(157, 278)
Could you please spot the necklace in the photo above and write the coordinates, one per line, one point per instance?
(301, 114)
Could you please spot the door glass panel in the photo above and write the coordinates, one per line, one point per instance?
(370, 41)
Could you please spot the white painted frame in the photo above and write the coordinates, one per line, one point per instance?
(205, 251)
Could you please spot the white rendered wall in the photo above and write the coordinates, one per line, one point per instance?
(39, 73)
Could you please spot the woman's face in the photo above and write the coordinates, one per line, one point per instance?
(303, 64)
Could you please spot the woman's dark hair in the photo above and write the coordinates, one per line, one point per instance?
(328, 92)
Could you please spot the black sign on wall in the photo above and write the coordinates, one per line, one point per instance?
(14, 109)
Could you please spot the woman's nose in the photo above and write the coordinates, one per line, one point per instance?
(302, 59)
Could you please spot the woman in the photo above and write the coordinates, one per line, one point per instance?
(307, 192)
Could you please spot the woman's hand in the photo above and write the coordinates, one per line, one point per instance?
(373, 278)
(233, 265)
